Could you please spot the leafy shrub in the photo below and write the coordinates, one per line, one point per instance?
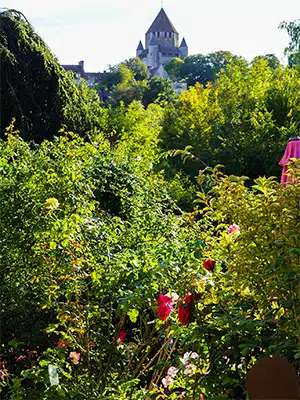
(90, 240)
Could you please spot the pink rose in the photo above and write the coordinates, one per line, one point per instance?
(172, 371)
(75, 357)
(167, 381)
(164, 306)
(233, 229)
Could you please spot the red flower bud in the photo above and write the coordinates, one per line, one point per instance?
(185, 314)
(209, 265)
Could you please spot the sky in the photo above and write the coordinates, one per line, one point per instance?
(106, 32)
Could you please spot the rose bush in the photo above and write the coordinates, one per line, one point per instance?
(106, 282)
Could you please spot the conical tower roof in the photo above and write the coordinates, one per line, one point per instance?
(140, 46)
(162, 23)
(183, 43)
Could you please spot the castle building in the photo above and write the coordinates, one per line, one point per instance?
(161, 45)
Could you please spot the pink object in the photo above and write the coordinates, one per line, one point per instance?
(164, 306)
(292, 151)
(75, 357)
(233, 229)
(122, 337)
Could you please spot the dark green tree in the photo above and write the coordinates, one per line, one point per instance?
(158, 89)
(173, 68)
(139, 69)
(36, 90)
(196, 68)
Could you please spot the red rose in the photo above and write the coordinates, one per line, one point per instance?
(164, 306)
(60, 343)
(164, 299)
(185, 314)
(188, 298)
(121, 337)
(209, 265)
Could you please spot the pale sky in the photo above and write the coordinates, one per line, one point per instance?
(103, 32)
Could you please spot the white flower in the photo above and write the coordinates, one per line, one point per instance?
(175, 296)
(172, 371)
(138, 158)
(167, 381)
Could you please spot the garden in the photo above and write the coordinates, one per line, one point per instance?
(145, 252)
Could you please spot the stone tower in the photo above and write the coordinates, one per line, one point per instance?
(161, 45)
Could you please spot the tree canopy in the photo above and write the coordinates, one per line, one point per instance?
(36, 90)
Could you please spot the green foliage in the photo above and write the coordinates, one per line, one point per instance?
(243, 121)
(293, 49)
(272, 60)
(158, 90)
(36, 90)
(127, 94)
(89, 240)
(139, 69)
(198, 67)
(173, 68)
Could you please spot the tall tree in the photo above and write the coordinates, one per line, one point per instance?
(173, 68)
(138, 68)
(158, 89)
(293, 48)
(36, 90)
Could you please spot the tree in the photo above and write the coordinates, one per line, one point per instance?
(138, 68)
(127, 94)
(173, 68)
(219, 59)
(201, 68)
(195, 69)
(36, 90)
(158, 89)
(293, 48)
(242, 121)
(117, 75)
(272, 60)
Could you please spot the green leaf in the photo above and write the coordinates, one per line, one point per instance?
(133, 314)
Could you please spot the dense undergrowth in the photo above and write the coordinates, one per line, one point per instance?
(91, 239)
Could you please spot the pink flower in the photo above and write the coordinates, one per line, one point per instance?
(29, 352)
(61, 344)
(20, 358)
(164, 306)
(182, 395)
(201, 397)
(75, 357)
(187, 356)
(92, 344)
(233, 229)
(190, 369)
(121, 337)
(167, 381)
(172, 371)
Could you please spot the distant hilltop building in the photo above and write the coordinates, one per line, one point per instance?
(161, 45)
